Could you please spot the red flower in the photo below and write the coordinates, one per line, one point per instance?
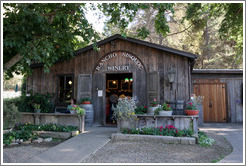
(168, 105)
(177, 131)
(133, 106)
(190, 103)
(145, 106)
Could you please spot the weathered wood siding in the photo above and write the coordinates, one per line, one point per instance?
(154, 61)
(233, 86)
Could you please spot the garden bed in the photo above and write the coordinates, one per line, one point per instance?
(28, 133)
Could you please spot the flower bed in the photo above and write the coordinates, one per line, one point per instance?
(168, 130)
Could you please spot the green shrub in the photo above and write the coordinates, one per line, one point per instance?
(11, 115)
(46, 127)
(14, 135)
(204, 140)
(25, 103)
(141, 110)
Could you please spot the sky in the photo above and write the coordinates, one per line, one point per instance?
(96, 20)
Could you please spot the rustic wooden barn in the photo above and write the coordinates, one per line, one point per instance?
(91, 74)
(223, 92)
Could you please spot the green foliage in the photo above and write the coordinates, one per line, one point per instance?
(191, 106)
(166, 107)
(80, 111)
(168, 130)
(25, 103)
(154, 103)
(44, 33)
(24, 131)
(45, 127)
(85, 99)
(231, 27)
(11, 115)
(157, 110)
(141, 110)
(204, 140)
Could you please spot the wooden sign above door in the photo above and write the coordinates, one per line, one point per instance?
(113, 55)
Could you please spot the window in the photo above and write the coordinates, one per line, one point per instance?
(65, 88)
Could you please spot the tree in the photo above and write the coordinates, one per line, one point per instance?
(230, 29)
(43, 33)
(49, 32)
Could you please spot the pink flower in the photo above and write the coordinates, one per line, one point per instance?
(190, 103)
(154, 99)
(75, 106)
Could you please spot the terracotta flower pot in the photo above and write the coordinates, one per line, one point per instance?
(192, 112)
(86, 102)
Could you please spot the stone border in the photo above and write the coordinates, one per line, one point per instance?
(63, 135)
(153, 138)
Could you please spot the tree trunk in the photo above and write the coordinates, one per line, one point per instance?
(12, 61)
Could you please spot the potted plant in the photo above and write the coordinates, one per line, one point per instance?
(85, 100)
(77, 109)
(124, 113)
(166, 110)
(36, 108)
(157, 111)
(153, 107)
(191, 109)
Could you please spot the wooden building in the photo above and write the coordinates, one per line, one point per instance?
(223, 92)
(123, 65)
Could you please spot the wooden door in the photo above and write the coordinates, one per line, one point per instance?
(214, 104)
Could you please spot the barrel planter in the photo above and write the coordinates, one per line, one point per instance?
(89, 114)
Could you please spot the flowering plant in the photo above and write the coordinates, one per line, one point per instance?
(125, 109)
(154, 103)
(191, 106)
(197, 100)
(166, 107)
(36, 106)
(80, 111)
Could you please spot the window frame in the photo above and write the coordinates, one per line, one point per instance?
(58, 86)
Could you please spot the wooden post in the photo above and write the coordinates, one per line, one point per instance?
(36, 119)
(82, 124)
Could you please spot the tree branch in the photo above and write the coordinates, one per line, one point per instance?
(179, 31)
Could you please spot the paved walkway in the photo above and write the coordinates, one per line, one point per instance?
(233, 132)
(77, 148)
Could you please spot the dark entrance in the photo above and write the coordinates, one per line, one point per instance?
(117, 85)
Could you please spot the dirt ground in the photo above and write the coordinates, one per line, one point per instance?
(21, 152)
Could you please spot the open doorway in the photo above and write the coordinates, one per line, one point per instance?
(117, 85)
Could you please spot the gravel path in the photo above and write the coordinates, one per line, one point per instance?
(20, 153)
(147, 152)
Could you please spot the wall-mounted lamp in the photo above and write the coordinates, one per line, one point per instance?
(171, 76)
(70, 82)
